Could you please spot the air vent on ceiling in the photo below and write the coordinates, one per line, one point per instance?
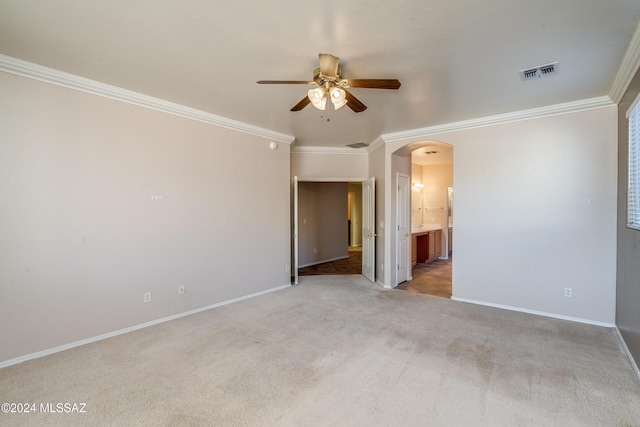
(431, 152)
(541, 71)
(358, 145)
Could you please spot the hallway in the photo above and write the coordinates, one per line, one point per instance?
(350, 265)
(433, 278)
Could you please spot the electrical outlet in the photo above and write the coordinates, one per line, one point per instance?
(568, 292)
(147, 297)
(181, 290)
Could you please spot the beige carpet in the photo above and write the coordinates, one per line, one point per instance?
(338, 351)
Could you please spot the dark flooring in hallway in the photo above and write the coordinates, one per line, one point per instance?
(350, 265)
(433, 278)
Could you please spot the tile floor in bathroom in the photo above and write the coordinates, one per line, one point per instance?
(433, 278)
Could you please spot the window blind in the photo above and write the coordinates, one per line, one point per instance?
(633, 187)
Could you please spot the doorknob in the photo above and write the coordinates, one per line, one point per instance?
(406, 234)
(373, 235)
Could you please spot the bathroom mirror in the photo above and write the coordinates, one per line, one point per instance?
(416, 206)
(450, 206)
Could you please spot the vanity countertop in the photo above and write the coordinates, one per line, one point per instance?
(425, 228)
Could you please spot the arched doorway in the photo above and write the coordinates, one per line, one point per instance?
(431, 204)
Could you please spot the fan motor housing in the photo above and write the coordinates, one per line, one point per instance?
(321, 79)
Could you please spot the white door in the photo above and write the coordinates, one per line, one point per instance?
(369, 229)
(295, 230)
(404, 231)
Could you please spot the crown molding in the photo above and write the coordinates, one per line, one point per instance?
(552, 110)
(379, 142)
(330, 150)
(340, 150)
(323, 179)
(60, 78)
(628, 68)
(8, 64)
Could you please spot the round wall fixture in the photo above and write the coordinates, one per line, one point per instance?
(273, 145)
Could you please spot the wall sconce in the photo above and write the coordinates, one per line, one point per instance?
(417, 185)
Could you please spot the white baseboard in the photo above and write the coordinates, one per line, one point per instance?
(323, 261)
(634, 365)
(64, 347)
(539, 313)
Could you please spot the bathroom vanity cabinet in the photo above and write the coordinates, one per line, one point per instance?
(426, 246)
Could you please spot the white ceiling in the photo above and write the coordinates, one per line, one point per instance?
(457, 60)
(436, 153)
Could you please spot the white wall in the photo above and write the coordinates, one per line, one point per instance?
(80, 238)
(536, 212)
(318, 165)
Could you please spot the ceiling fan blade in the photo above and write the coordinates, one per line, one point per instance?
(354, 103)
(300, 105)
(375, 83)
(328, 65)
(285, 82)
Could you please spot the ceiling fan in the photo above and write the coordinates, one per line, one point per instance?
(332, 85)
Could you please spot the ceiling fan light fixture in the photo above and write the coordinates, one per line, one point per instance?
(318, 98)
(330, 83)
(338, 97)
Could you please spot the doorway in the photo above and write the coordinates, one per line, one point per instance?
(431, 204)
(328, 223)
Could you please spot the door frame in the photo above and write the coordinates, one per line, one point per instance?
(407, 221)
(294, 208)
(369, 229)
(295, 260)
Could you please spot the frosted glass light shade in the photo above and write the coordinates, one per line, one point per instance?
(318, 98)
(338, 97)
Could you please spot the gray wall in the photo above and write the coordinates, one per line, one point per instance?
(628, 268)
(81, 238)
(322, 222)
(356, 213)
(535, 212)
